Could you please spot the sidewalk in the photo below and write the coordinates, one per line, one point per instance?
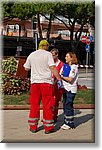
(16, 128)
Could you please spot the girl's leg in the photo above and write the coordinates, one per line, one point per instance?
(68, 109)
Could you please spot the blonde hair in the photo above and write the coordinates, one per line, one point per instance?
(42, 43)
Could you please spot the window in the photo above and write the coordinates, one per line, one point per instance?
(13, 28)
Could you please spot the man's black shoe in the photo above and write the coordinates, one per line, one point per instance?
(48, 132)
(55, 120)
(33, 131)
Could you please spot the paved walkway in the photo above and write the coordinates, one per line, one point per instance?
(87, 79)
(16, 129)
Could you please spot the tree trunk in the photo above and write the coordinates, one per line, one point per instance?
(49, 27)
(19, 30)
(73, 48)
(39, 27)
(71, 40)
(77, 37)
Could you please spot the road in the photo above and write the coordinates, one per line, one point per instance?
(87, 77)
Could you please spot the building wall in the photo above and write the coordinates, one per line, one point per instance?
(56, 29)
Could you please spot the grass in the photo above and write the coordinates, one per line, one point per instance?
(82, 97)
(16, 99)
(85, 97)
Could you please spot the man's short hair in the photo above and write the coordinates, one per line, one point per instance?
(42, 43)
(55, 50)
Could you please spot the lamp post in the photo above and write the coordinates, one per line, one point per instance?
(87, 48)
(19, 47)
(36, 39)
(35, 32)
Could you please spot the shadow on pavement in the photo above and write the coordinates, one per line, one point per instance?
(83, 119)
(76, 112)
(78, 120)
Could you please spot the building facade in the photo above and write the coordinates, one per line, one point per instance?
(25, 28)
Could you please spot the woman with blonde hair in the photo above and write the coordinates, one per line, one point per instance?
(70, 86)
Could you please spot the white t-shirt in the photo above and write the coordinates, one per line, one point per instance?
(57, 63)
(39, 62)
(73, 74)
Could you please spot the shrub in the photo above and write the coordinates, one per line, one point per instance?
(9, 65)
(12, 85)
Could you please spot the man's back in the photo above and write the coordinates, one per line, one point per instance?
(39, 62)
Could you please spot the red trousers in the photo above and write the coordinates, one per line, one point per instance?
(45, 92)
(58, 95)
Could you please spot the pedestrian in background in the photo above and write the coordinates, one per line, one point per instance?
(70, 85)
(58, 91)
(42, 66)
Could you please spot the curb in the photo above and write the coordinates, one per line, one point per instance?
(27, 107)
(85, 66)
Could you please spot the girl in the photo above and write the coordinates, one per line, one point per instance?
(70, 85)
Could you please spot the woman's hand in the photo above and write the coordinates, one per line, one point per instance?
(61, 76)
(62, 72)
(55, 82)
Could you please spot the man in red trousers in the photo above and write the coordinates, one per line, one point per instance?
(58, 91)
(42, 66)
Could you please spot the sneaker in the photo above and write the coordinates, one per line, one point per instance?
(65, 127)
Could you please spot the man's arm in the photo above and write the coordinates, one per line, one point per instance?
(27, 64)
(55, 72)
(27, 69)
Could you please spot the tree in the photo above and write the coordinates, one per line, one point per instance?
(22, 11)
(7, 10)
(80, 13)
(45, 9)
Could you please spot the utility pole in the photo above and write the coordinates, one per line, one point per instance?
(35, 32)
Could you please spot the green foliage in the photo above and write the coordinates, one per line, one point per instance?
(23, 10)
(12, 85)
(9, 65)
(7, 8)
(26, 10)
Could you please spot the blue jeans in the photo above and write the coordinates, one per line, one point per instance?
(68, 99)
